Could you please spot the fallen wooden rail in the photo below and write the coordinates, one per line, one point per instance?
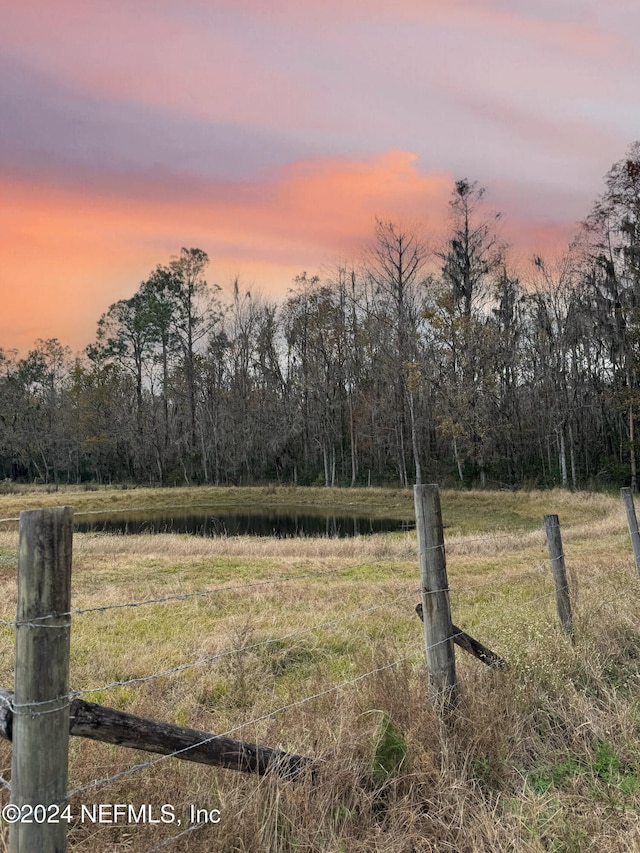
(466, 642)
(98, 722)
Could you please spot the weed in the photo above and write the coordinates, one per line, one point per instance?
(555, 777)
(390, 752)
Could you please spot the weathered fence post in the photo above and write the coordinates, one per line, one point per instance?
(438, 628)
(41, 704)
(556, 555)
(632, 521)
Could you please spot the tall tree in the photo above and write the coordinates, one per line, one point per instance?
(472, 263)
(125, 336)
(43, 375)
(315, 336)
(395, 267)
(611, 242)
(474, 253)
(197, 311)
(192, 309)
(160, 309)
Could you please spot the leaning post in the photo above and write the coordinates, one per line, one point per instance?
(632, 521)
(438, 628)
(39, 767)
(556, 555)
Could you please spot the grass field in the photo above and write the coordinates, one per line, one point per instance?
(544, 756)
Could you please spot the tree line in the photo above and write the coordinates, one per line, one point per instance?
(410, 365)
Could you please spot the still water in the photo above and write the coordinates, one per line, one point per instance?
(281, 523)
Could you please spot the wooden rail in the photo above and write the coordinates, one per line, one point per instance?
(98, 722)
(471, 645)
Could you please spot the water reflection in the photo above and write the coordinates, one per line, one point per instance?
(277, 523)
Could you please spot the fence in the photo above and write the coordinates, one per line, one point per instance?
(41, 712)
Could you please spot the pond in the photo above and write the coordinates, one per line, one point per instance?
(282, 523)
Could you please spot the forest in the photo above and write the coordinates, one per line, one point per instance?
(415, 364)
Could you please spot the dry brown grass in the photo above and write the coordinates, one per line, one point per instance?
(540, 757)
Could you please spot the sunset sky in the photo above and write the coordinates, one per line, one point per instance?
(271, 133)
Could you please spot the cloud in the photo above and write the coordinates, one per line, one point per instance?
(576, 25)
(77, 248)
(158, 55)
(49, 127)
(272, 134)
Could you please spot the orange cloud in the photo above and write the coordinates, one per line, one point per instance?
(70, 252)
(329, 205)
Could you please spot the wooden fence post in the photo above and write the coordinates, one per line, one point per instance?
(556, 554)
(632, 521)
(438, 628)
(39, 766)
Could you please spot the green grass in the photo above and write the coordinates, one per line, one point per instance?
(390, 752)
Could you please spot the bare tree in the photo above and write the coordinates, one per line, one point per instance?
(395, 266)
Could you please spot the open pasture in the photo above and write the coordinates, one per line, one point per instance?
(539, 757)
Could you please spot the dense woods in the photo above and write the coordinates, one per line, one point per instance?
(418, 363)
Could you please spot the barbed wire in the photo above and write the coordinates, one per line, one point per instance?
(335, 687)
(272, 714)
(516, 537)
(235, 587)
(534, 573)
(189, 595)
(174, 838)
(37, 621)
(503, 579)
(17, 711)
(219, 655)
(208, 659)
(269, 581)
(16, 708)
(227, 652)
(5, 784)
(299, 702)
(213, 591)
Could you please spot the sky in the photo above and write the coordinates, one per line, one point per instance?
(272, 133)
